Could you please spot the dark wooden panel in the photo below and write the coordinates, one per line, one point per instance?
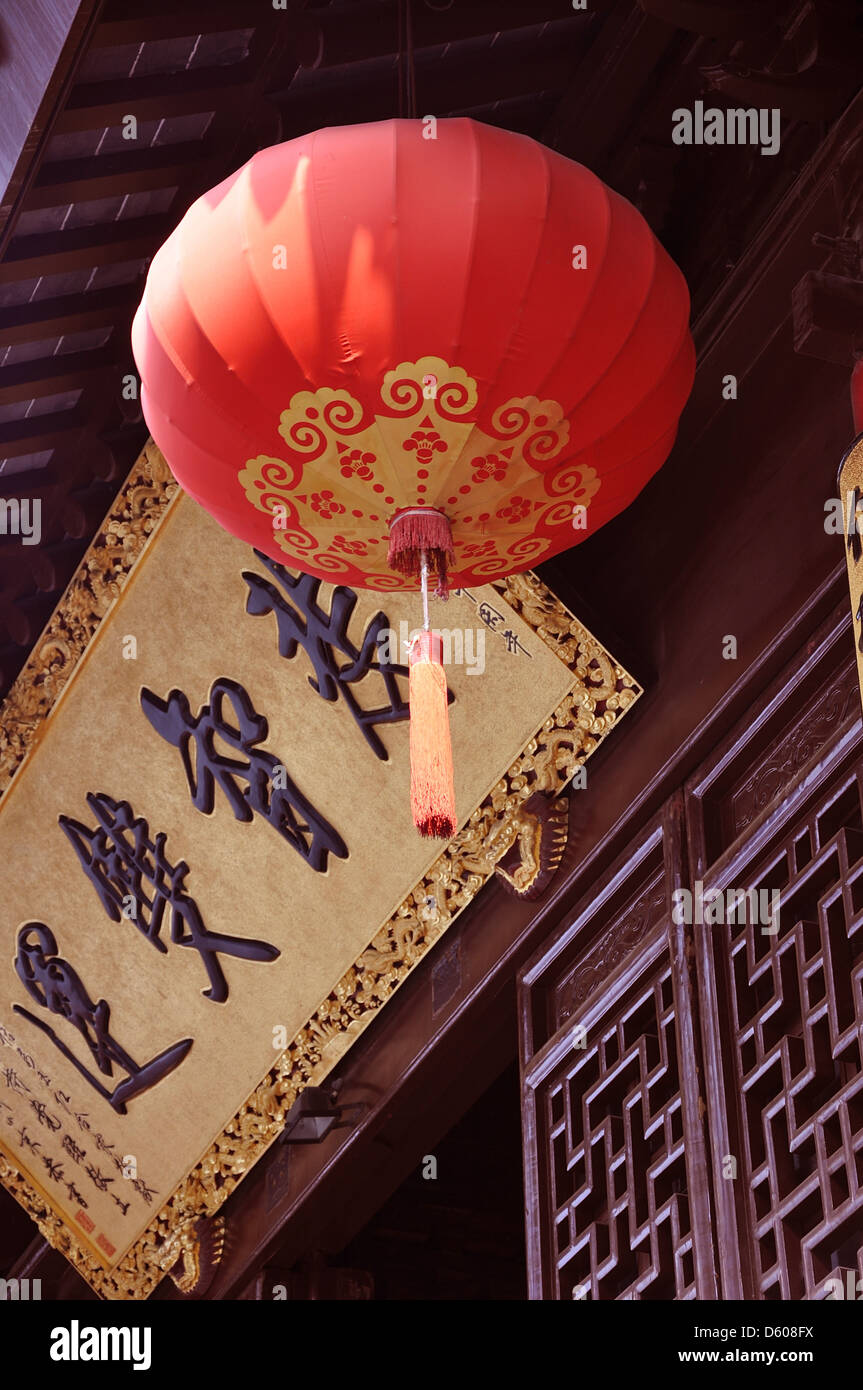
(768, 1007)
(746, 783)
(617, 1193)
(782, 1010)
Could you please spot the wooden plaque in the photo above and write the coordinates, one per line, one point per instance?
(211, 878)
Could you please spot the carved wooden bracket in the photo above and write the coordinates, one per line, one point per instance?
(198, 1248)
(541, 825)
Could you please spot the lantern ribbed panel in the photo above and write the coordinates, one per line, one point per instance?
(363, 320)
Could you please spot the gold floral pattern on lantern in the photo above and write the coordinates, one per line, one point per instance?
(421, 444)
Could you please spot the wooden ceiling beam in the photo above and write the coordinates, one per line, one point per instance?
(617, 68)
(51, 376)
(95, 105)
(352, 33)
(114, 175)
(83, 511)
(73, 313)
(27, 617)
(49, 567)
(41, 485)
(170, 21)
(482, 81)
(38, 433)
(110, 243)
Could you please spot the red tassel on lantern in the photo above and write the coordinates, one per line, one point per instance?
(432, 789)
(419, 531)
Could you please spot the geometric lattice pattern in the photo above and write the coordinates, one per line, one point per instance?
(796, 1001)
(619, 1204)
(768, 1203)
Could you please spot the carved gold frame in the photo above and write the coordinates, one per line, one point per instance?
(602, 692)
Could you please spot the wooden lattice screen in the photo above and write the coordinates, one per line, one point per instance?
(693, 1094)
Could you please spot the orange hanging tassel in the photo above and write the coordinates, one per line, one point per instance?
(432, 789)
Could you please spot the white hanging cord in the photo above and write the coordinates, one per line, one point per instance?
(424, 571)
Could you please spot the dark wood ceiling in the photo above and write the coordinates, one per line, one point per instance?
(210, 83)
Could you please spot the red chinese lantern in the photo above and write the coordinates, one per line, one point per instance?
(386, 352)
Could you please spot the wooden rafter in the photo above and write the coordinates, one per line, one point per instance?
(53, 375)
(109, 243)
(52, 318)
(121, 173)
(95, 105)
